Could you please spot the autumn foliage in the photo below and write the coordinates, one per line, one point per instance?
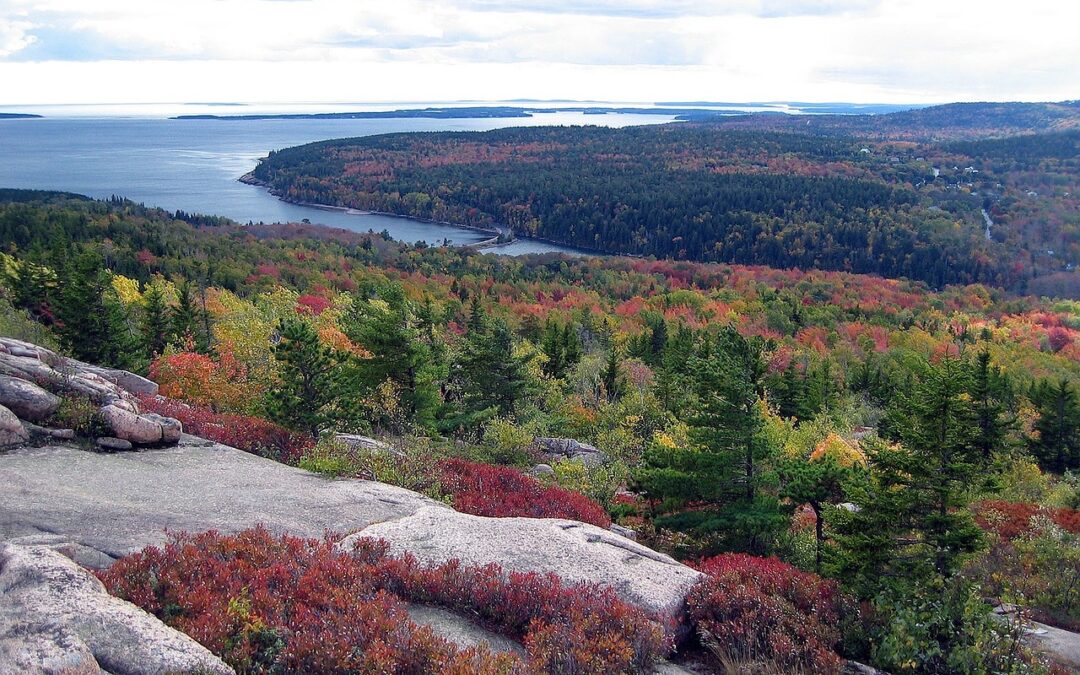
(284, 604)
(504, 492)
(1009, 520)
(761, 609)
(252, 434)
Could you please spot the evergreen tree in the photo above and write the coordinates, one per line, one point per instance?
(912, 525)
(816, 482)
(401, 349)
(491, 379)
(722, 469)
(89, 328)
(156, 332)
(186, 318)
(313, 380)
(1056, 442)
(987, 391)
(611, 377)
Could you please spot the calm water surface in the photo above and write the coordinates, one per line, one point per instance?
(193, 165)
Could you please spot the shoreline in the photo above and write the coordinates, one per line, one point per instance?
(249, 179)
(483, 245)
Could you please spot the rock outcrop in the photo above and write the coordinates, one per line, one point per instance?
(55, 617)
(576, 552)
(120, 503)
(12, 431)
(554, 449)
(34, 380)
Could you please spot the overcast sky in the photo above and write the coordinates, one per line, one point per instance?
(96, 51)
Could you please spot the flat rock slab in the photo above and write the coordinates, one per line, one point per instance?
(55, 617)
(575, 552)
(459, 631)
(120, 503)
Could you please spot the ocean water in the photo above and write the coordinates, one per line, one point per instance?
(193, 165)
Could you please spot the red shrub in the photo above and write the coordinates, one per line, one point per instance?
(503, 492)
(764, 609)
(282, 604)
(252, 434)
(1009, 520)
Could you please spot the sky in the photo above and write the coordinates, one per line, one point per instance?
(871, 51)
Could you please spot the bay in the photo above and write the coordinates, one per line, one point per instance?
(194, 165)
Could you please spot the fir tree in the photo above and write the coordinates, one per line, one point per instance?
(1056, 442)
(156, 331)
(611, 377)
(912, 525)
(311, 380)
(722, 470)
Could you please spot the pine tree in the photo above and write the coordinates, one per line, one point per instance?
(722, 469)
(1056, 443)
(986, 395)
(491, 379)
(86, 326)
(156, 328)
(401, 349)
(313, 380)
(912, 524)
(611, 377)
(186, 317)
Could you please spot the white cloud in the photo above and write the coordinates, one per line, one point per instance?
(14, 36)
(883, 50)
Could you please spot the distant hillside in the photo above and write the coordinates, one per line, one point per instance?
(936, 123)
(994, 211)
(18, 116)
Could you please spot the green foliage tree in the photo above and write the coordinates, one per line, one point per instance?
(722, 470)
(401, 345)
(314, 381)
(1056, 442)
(156, 327)
(489, 377)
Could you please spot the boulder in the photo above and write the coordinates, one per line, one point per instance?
(26, 399)
(138, 429)
(12, 431)
(171, 429)
(623, 531)
(576, 552)
(113, 444)
(55, 617)
(136, 384)
(568, 448)
(543, 471)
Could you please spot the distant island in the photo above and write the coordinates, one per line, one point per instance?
(471, 112)
(18, 116)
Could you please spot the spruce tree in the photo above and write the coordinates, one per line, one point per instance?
(722, 470)
(156, 328)
(86, 326)
(912, 525)
(1056, 442)
(612, 377)
(401, 349)
(312, 386)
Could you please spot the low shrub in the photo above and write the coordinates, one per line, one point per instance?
(504, 492)
(1033, 560)
(761, 610)
(282, 604)
(81, 414)
(1009, 520)
(251, 434)
(412, 465)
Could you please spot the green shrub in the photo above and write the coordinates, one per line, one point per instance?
(17, 324)
(80, 414)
